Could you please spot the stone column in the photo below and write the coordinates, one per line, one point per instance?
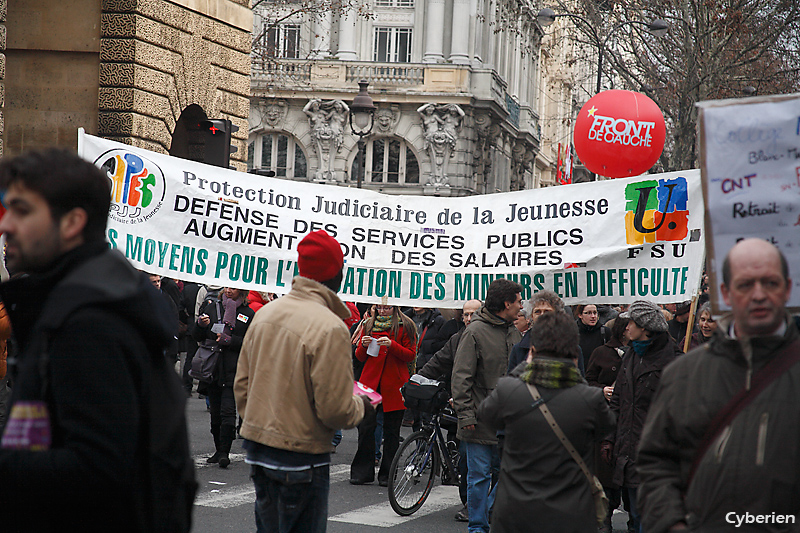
(322, 39)
(434, 32)
(475, 44)
(459, 45)
(347, 36)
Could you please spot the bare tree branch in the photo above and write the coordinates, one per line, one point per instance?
(714, 49)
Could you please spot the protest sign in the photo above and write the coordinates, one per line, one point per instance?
(604, 242)
(750, 162)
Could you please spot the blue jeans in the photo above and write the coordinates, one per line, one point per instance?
(482, 461)
(288, 502)
(337, 438)
(634, 510)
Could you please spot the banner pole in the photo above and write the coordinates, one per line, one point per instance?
(690, 324)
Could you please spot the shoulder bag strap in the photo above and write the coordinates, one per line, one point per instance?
(780, 363)
(559, 433)
(419, 340)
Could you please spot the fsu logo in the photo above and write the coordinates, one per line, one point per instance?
(137, 186)
(656, 211)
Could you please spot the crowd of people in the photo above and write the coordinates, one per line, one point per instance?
(687, 421)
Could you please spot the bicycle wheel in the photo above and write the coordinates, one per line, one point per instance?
(412, 474)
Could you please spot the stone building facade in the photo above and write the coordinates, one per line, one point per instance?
(141, 72)
(567, 82)
(456, 101)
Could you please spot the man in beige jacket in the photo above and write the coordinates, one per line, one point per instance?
(294, 388)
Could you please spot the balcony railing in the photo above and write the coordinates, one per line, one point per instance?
(304, 72)
(282, 70)
(385, 74)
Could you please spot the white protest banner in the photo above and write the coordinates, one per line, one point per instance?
(750, 155)
(604, 242)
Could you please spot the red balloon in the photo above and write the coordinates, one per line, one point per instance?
(619, 134)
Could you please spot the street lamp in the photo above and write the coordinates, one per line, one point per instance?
(361, 120)
(547, 16)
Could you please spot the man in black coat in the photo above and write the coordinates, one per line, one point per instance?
(677, 326)
(651, 349)
(428, 323)
(76, 454)
(440, 365)
(542, 302)
(158, 283)
(702, 469)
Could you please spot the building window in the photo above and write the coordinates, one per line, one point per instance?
(392, 45)
(280, 154)
(281, 41)
(388, 161)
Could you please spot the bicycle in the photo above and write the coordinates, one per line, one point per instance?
(420, 458)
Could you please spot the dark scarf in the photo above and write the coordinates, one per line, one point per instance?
(551, 373)
(230, 306)
(640, 347)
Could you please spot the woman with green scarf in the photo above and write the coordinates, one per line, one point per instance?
(387, 345)
(541, 487)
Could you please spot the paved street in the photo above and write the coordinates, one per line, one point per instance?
(225, 497)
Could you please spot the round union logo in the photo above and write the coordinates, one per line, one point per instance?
(137, 185)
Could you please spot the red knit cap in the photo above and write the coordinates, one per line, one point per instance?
(319, 256)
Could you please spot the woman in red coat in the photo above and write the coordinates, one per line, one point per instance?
(396, 338)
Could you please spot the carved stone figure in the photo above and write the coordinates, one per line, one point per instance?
(517, 167)
(481, 157)
(327, 120)
(441, 124)
(482, 124)
(386, 119)
(274, 112)
(521, 159)
(452, 122)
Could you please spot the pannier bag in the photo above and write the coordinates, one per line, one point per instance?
(425, 395)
